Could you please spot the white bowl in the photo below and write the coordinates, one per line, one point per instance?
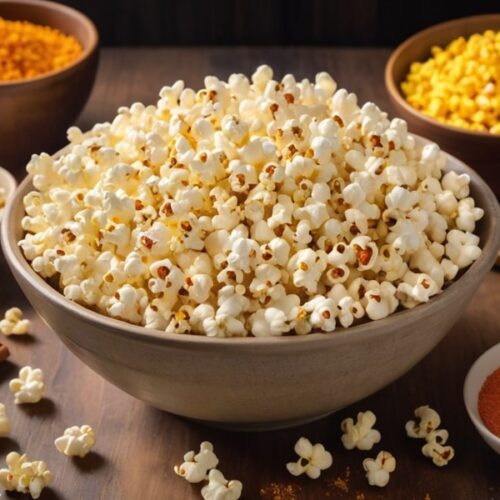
(8, 183)
(485, 365)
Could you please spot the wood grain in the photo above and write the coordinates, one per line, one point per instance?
(137, 446)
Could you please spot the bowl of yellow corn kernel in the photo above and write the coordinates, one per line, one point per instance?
(48, 62)
(445, 81)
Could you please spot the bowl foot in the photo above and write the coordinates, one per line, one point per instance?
(260, 426)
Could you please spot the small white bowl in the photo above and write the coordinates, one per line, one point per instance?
(485, 365)
(8, 183)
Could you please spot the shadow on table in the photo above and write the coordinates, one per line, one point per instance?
(8, 444)
(8, 370)
(44, 408)
(26, 338)
(47, 494)
(91, 462)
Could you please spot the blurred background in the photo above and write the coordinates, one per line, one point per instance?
(270, 22)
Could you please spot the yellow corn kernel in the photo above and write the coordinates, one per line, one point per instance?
(28, 50)
(460, 83)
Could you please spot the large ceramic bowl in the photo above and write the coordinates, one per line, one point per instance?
(253, 383)
(35, 112)
(480, 150)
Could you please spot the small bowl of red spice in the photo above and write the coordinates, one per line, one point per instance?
(482, 396)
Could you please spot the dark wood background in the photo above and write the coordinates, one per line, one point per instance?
(270, 22)
(137, 445)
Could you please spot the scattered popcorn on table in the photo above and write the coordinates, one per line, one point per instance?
(24, 476)
(313, 459)
(5, 425)
(378, 470)
(219, 488)
(196, 466)
(29, 387)
(76, 441)
(361, 434)
(435, 448)
(13, 322)
(427, 428)
(428, 421)
(250, 207)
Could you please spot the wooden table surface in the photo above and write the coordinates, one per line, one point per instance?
(137, 446)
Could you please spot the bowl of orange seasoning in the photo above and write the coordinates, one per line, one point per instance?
(48, 62)
(482, 396)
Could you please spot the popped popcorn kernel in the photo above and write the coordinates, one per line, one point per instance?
(25, 476)
(195, 467)
(219, 487)
(14, 323)
(29, 387)
(361, 434)
(312, 459)
(252, 207)
(76, 441)
(379, 469)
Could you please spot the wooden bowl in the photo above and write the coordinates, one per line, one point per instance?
(36, 112)
(255, 382)
(480, 150)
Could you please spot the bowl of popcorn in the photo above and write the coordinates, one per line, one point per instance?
(445, 82)
(254, 254)
(7, 187)
(48, 61)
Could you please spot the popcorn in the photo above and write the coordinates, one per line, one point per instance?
(219, 488)
(361, 434)
(307, 266)
(76, 441)
(251, 207)
(322, 313)
(378, 469)
(195, 467)
(468, 215)
(416, 288)
(429, 421)
(313, 459)
(381, 301)
(458, 184)
(24, 476)
(5, 425)
(29, 387)
(435, 448)
(128, 303)
(462, 248)
(13, 322)
(427, 428)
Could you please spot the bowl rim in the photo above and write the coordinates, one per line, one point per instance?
(68, 12)
(470, 396)
(10, 185)
(393, 87)
(482, 265)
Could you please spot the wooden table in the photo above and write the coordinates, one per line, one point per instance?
(137, 446)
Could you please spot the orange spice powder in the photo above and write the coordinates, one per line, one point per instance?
(277, 491)
(489, 402)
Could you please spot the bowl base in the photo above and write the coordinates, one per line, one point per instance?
(260, 426)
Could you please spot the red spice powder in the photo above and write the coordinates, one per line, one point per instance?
(489, 402)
